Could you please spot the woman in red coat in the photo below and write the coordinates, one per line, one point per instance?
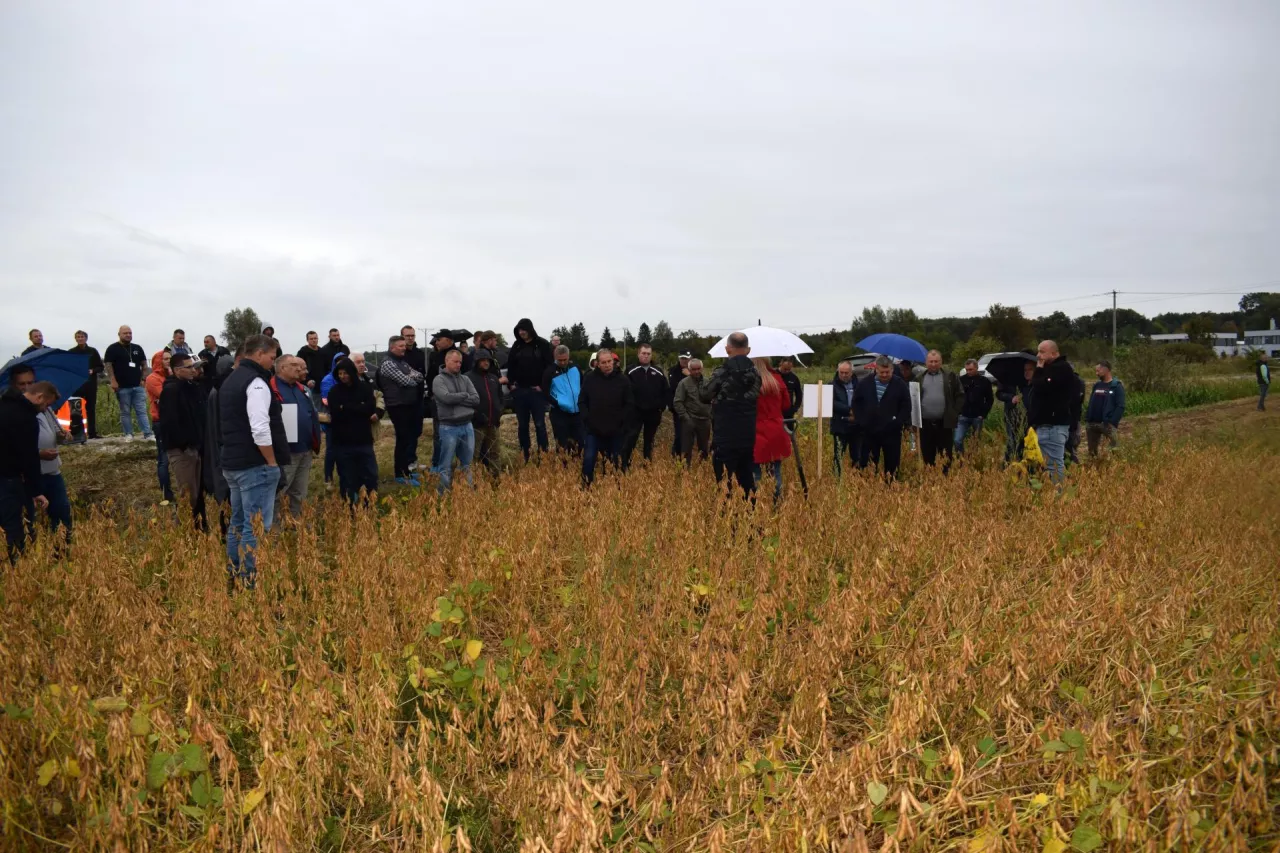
(773, 443)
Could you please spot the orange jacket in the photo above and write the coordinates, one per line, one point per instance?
(155, 384)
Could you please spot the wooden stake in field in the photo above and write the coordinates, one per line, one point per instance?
(820, 465)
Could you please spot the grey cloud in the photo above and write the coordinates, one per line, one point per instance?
(706, 163)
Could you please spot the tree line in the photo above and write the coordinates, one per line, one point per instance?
(1002, 328)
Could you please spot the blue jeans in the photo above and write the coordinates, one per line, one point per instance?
(55, 489)
(775, 471)
(529, 403)
(1053, 444)
(1262, 396)
(134, 400)
(609, 445)
(964, 426)
(456, 441)
(253, 493)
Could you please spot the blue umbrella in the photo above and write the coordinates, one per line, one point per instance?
(895, 346)
(66, 370)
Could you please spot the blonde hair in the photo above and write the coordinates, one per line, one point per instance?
(768, 382)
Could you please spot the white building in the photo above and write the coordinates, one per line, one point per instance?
(1224, 343)
(1264, 340)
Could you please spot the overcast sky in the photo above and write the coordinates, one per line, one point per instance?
(369, 164)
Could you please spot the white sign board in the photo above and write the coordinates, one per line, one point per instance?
(915, 404)
(811, 401)
(289, 414)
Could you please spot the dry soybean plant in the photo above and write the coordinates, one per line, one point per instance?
(956, 663)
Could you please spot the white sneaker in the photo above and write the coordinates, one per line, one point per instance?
(128, 438)
(151, 437)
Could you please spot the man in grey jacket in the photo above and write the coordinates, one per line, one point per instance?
(692, 414)
(456, 403)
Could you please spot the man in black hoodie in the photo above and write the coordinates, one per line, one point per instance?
(1053, 394)
(651, 391)
(528, 359)
(732, 391)
(20, 483)
(489, 412)
(605, 403)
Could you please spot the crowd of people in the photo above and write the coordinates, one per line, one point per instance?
(239, 430)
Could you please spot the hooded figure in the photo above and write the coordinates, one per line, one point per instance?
(155, 385)
(270, 331)
(353, 410)
(527, 360)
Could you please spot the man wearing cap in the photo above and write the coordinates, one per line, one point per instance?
(675, 376)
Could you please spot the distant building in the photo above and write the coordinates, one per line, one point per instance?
(1264, 340)
(1224, 343)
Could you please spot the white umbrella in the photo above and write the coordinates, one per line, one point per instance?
(765, 342)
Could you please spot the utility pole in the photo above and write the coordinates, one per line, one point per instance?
(1113, 321)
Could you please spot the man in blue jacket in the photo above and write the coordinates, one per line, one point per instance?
(882, 407)
(562, 383)
(1106, 408)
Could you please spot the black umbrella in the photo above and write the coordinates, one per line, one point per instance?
(1007, 367)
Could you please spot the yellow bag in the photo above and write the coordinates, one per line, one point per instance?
(1031, 449)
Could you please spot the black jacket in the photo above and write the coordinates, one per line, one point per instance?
(527, 360)
(317, 365)
(841, 407)
(649, 387)
(1077, 402)
(20, 442)
(417, 358)
(182, 415)
(330, 349)
(889, 414)
(489, 412)
(796, 389)
(606, 403)
(674, 376)
(239, 452)
(1055, 393)
(979, 397)
(732, 391)
(350, 407)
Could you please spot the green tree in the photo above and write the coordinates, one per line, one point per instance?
(563, 333)
(644, 336)
(577, 339)
(871, 321)
(1199, 330)
(238, 325)
(663, 338)
(1007, 325)
(628, 338)
(903, 321)
(607, 340)
(975, 347)
(1054, 327)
